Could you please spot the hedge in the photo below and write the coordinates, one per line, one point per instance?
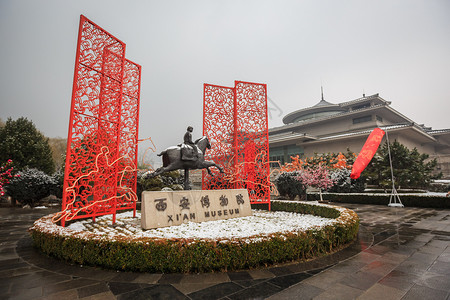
(186, 255)
(409, 200)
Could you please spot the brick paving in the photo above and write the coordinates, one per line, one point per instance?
(401, 253)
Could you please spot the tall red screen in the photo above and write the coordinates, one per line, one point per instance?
(235, 121)
(100, 170)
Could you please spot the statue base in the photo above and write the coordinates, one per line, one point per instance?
(171, 208)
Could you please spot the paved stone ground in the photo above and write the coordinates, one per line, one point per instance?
(401, 253)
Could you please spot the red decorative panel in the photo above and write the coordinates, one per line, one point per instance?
(235, 121)
(102, 141)
(128, 148)
(218, 126)
(252, 140)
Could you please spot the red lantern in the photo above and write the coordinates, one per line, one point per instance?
(367, 152)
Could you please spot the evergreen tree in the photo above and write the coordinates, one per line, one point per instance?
(58, 146)
(25, 145)
(411, 168)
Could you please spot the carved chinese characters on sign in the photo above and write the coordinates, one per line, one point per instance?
(161, 204)
(162, 209)
(205, 201)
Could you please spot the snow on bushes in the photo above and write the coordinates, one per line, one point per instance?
(121, 247)
(31, 185)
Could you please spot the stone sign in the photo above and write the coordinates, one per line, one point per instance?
(162, 209)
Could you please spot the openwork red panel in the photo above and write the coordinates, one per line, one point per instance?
(101, 146)
(218, 126)
(128, 147)
(235, 120)
(252, 140)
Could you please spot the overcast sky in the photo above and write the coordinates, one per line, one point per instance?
(397, 48)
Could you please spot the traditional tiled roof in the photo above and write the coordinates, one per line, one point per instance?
(325, 106)
(386, 128)
(297, 136)
(363, 99)
(310, 121)
(438, 131)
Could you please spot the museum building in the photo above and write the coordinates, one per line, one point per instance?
(327, 127)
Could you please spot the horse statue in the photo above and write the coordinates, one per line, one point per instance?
(174, 159)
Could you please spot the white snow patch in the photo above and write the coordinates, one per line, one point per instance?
(262, 223)
(442, 181)
(436, 194)
(249, 229)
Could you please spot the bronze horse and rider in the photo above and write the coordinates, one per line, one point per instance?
(187, 156)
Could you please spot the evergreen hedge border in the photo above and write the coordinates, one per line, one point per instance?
(408, 200)
(185, 255)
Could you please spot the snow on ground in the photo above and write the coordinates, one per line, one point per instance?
(251, 228)
(435, 194)
(442, 181)
(262, 223)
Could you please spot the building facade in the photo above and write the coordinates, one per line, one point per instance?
(327, 127)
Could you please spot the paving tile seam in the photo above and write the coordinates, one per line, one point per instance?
(47, 270)
(265, 282)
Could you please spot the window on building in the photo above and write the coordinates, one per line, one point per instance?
(362, 119)
(380, 119)
(283, 154)
(275, 159)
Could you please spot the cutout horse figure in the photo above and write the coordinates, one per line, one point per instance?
(172, 160)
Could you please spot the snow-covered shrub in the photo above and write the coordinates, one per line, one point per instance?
(58, 178)
(164, 255)
(31, 186)
(172, 180)
(344, 184)
(317, 177)
(290, 184)
(440, 186)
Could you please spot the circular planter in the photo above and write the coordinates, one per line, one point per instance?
(181, 255)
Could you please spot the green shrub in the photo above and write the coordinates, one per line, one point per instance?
(303, 208)
(172, 180)
(58, 180)
(440, 187)
(408, 200)
(31, 186)
(411, 168)
(344, 184)
(290, 185)
(188, 255)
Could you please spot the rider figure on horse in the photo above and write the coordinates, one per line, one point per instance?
(188, 141)
(175, 158)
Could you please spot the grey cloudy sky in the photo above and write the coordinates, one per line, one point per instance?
(397, 48)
